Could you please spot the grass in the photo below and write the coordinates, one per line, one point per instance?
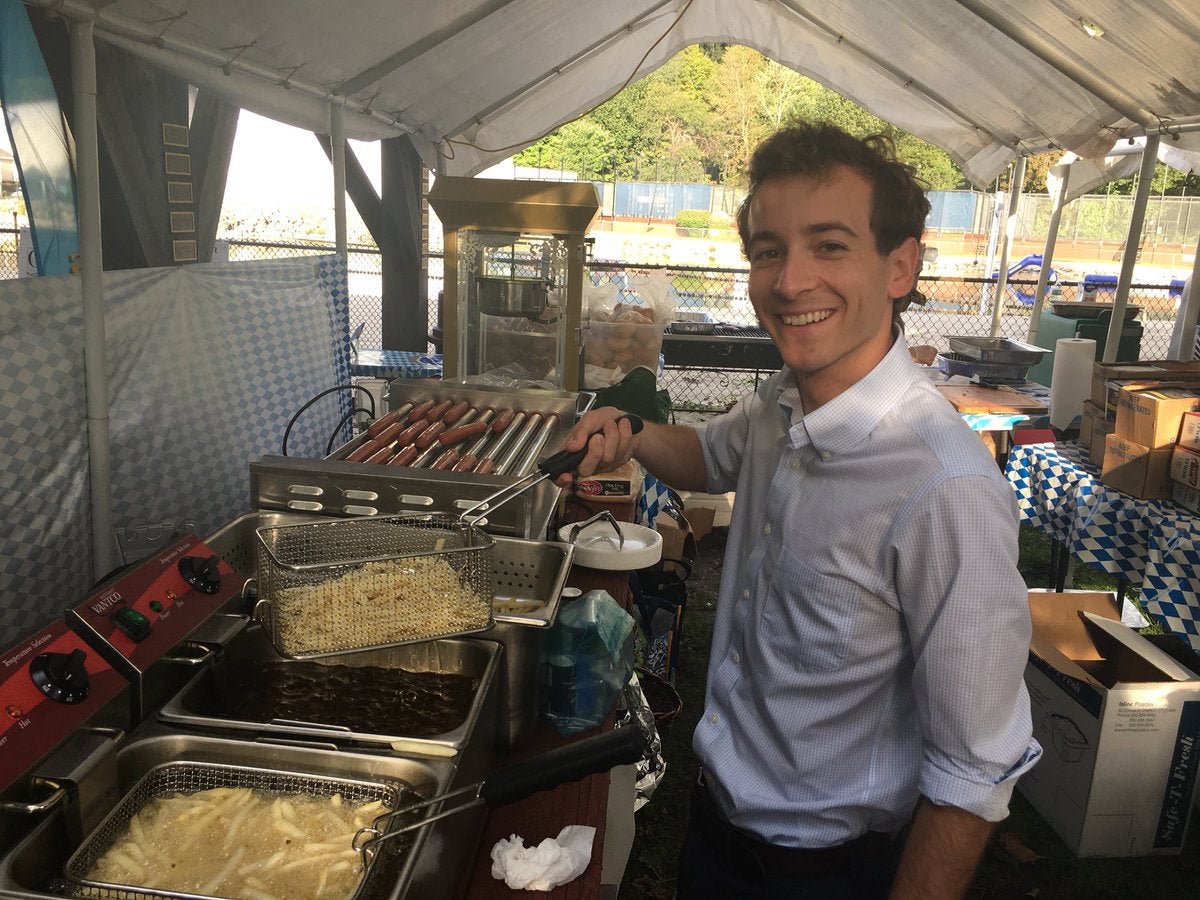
(1025, 858)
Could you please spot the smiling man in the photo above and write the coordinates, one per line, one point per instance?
(866, 716)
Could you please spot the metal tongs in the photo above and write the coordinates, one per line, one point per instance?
(602, 516)
(624, 745)
(551, 467)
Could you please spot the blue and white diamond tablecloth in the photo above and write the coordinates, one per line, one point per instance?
(1152, 543)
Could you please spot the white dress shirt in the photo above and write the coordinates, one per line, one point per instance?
(872, 627)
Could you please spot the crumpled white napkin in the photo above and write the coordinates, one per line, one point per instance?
(553, 862)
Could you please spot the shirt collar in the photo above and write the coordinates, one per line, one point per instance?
(844, 422)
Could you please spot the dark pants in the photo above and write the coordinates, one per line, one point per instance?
(720, 862)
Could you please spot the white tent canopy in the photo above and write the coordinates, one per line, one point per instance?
(474, 80)
(1121, 161)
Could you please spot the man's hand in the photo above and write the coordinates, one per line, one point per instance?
(609, 438)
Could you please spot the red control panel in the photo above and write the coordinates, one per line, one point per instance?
(149, 610)
(50, 683)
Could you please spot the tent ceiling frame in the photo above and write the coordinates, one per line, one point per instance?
(1049, 54)
(369, 76)
(122, 30)
(909, 84)
(491, 111)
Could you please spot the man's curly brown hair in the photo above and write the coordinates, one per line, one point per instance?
(898, 203)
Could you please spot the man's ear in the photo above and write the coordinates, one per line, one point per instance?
(902, 267)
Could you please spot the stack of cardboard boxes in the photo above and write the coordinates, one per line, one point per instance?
(1131, 423)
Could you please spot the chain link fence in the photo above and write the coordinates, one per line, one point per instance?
(955, 306)
(9, 267)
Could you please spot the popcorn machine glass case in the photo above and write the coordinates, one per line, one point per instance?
(514, 279)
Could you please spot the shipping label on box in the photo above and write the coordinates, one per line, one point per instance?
(1119, 723)
(1151, 416)
(1189, 430)
(1136, 470)
(1185, 466)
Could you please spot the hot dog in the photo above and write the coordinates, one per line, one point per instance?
(380, 424)
(389, 434)
(429, 435)
(503, 420)
(446, 459)
(485, 467)
(465, 463)
(421, 410)
(405, 456)
(362, 451)
(456, 412)
(382, 455)
(462, 432)
(410, 432)
(438, 411)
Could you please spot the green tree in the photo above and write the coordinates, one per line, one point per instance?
(700, 116)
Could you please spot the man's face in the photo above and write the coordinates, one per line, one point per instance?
(819, 286)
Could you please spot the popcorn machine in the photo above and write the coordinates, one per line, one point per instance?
(514, 260)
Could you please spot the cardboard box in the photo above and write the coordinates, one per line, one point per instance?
(1099, 437)
(1103, 373)
(1186, 496)
(1093, 429)
(1151, 416)
(1185, 466)
(1140, 370)
(1189, 430)
(680, 533)
(1136, 470)
(1119, 724)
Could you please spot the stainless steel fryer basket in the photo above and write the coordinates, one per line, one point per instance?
(191, 777)
(343, 585)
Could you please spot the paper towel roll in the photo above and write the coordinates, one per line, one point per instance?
(1070, 379)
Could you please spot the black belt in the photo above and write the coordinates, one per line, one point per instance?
(752, 857)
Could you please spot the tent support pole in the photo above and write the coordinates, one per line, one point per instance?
(91, 261)
(1132, 241)
(1183, 340)
(337, 138)
(1010, 229)
(1056, 208)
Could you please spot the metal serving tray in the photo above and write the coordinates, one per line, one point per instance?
(199, 704)
(999, 351)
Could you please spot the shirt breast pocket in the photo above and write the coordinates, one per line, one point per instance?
(810, 617)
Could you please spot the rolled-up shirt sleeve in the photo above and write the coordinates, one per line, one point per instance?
(723, 440)
(965, 606)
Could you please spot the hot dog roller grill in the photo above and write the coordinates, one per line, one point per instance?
(335, 487)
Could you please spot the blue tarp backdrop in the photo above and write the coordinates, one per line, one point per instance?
(39, 140)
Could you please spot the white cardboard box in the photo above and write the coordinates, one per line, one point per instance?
(1119, 724)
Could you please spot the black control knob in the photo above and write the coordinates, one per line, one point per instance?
(202, 574)
(61, 676)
